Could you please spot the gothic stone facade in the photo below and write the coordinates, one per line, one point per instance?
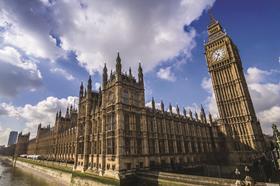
(54, 143)
(117, 134)
(113, 133)
(238, 120)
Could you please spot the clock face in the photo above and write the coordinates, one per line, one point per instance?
(218, 54)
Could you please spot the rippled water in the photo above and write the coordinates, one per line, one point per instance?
(10, 176)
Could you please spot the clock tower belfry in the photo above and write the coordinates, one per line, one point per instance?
(238, 122)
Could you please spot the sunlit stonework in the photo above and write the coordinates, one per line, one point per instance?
(114, 134)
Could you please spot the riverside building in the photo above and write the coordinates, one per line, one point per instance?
(114, 134)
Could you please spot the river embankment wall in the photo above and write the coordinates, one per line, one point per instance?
(63, 177)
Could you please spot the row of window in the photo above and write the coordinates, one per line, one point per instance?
(176, 128)
(189, 147)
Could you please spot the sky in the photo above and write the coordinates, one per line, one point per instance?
(47, 47)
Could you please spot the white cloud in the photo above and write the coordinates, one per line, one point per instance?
(166, 74)
(206, 84)
(97, 85)
(271, 115)
(5, 132)
(150, 31)
(43, 112)
(264, 93)
(255, 75)
(33, 40)
(63, 73)
(17, 73)
(157, 105)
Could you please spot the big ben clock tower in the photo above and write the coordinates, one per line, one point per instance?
(238, 122)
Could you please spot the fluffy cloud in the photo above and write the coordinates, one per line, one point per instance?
(5, 132)
(206, 84)
(157, 105)
(150, 31)
(264, 92)
(166, 74)
(43, 112)
(25, 26)
(97, 85)
(17, 73)
(255, 75)
(63, 73)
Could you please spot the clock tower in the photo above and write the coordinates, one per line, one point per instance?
(238, 122)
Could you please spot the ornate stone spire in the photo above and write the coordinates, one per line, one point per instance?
(170, 108)
(196, 116)
(210, 118)
(81, 90)
(105, 75)
(212, 18)
(184, 112)
(202, 114)
(190, 114)
(153, 103)
(89, 86)
(130, 73)
(162, 106)
(118, 65)
(177, 110)
(214, 27)
(140, 74)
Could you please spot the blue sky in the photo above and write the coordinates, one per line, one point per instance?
(48, 47)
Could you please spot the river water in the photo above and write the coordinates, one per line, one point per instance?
(10, 176)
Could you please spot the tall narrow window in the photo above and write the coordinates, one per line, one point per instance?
(110, 146)
(125, 97)
(138, 124)
(127, 146)
(126, 122)
(139, 146)
(110, 121)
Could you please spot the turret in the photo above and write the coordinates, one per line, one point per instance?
(130, 73)
(162, 106)
(140, 74)
(153, 103)
(190, 113)
(81, 90)
(177, 110)
(105, 76)
(210, 118)
(202, 115)
(170, 108)
(118, 65)
(196, 116)
(184, 112)
(89, 86)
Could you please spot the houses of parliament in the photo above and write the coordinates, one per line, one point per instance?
(114, 134)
